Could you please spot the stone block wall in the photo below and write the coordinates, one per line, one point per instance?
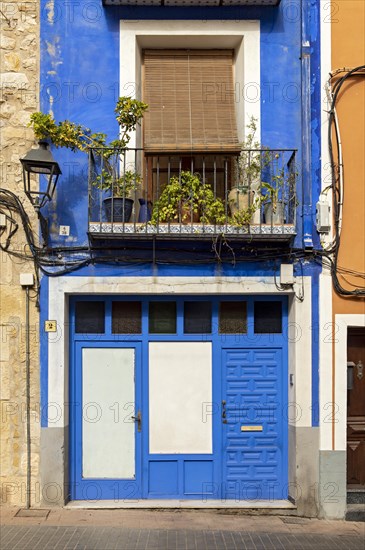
(19, 92)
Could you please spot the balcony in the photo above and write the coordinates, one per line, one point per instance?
(251, 196)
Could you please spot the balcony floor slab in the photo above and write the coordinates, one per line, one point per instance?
(106, 229)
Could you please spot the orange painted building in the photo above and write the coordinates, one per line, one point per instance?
(346, 441)
(348, 51)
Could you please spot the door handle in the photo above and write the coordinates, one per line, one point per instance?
(138, 419)
(224, 412)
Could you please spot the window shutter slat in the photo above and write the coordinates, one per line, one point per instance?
(191, 101)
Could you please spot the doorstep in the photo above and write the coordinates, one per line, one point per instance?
(163, 504)
(355, 512)
(356, 494)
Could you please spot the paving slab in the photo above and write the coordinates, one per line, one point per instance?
(32, 513)
(22, 537)
(174, 529)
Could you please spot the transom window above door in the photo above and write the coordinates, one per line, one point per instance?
(161, 317)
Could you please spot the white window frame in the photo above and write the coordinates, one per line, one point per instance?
(343, 322)
(241, 36)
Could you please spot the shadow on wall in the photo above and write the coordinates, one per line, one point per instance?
(70, 204)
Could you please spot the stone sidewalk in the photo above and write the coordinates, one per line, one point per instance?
(170, 530)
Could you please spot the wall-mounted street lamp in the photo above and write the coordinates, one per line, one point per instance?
(40, 162)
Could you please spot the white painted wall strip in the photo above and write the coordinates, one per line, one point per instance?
(325, 361)
(300, 413)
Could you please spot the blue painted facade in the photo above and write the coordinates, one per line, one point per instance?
(80, 82)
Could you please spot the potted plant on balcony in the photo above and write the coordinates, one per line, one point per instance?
(129, 113)
(119, 205)
(277, 195)
(186, 199)
(274, 206)
(244, 197)
(250, 214)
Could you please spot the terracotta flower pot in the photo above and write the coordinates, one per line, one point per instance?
(187, 214)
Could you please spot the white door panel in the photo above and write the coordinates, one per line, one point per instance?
(180, 389)
(108, 432)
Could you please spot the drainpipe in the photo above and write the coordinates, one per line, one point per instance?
(27, 281)
(306, 125)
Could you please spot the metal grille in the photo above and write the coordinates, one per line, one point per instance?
(135, 194)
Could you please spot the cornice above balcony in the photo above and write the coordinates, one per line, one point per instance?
(191, 3)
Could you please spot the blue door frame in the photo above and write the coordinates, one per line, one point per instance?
(215, 484)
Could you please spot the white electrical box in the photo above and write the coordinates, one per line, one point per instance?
(323, 221)
(2, 220)
(287, 274)
(26, 279)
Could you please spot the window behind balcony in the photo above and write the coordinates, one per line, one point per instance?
(190, 94)
(191, 120)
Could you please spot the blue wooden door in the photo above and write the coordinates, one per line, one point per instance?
(211, 399)
(106, 420)
(254, 424)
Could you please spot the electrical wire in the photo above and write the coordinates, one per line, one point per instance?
(338, 180)
(51, 262)
(62, 260)
(11, 206)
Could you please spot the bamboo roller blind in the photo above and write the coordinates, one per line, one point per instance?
(190, 95)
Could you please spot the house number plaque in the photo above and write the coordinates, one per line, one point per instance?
(50, 326)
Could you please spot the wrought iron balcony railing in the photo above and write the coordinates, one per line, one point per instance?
(252, 195)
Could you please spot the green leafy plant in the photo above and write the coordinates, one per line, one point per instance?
(244, 217)
(280, 181)
(65, 134)
(129, 113)
(187, 198)
(244, 198)
(252, 160)
(279, 193)
(272, 193)
(122, 186)
(249, 161)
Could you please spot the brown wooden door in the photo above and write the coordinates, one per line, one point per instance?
(356, 410)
